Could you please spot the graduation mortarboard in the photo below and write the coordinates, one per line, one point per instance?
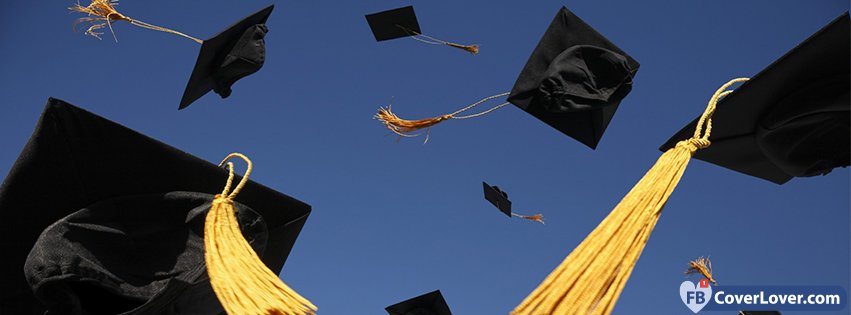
(233, 54)
(759, 313)
(103, 196)
(574, 81)
(499, 199)
(402, 22)
(431, 303)
(392, 24)
(792, 118)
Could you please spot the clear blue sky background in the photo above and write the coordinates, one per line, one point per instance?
(391, 221)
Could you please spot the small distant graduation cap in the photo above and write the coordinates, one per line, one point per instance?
(574, 81)
(792, 118)
(431, 303)
(759, 313)
(402, 22)
(499, 199)
(233, 54)
(99, 219)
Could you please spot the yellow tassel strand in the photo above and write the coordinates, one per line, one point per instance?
(404, 127)
(242, 282)
(591, 278)
(701, 266)
(472, 49)
(102, 13)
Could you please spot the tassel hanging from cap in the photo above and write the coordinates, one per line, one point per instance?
(241, 281)
(405, 127)
(591, 278)
(701, 266)
(102, 13)
(472, 49)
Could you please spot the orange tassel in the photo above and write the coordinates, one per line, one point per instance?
(473, 49)
(537, 218)
(403, 127)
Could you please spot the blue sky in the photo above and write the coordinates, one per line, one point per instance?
(394, 220)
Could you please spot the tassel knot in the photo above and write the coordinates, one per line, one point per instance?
(694, 144)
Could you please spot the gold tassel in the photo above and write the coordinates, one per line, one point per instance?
(472, 49)
(404, 127)
(241, 281)
(703, 267)
(102, 13)
(591, 278)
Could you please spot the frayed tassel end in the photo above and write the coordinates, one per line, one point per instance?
(537, 218)
(472, 49)
(703, 267)
(404, 127)
(101, 14)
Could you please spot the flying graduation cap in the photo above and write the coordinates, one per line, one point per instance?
(792, 118)
(759, 313)
(574, 81)
(233, 54)
(402, 22)
(431, 303)
(104, 220)
(499, 199)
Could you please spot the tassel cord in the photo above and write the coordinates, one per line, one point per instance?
(403, 127)
(473, 49)
(163, 29)
(104, 11)
(454, 115)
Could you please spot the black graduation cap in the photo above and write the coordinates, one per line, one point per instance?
(759, 313)
(85, 174)
(139, 253)
(498, 198)
(792, 118)
(431, 303)
(392, 24)
(231, 55)
(575, 79)
(402, 22)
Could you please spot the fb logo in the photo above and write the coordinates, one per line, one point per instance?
(695, 297)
